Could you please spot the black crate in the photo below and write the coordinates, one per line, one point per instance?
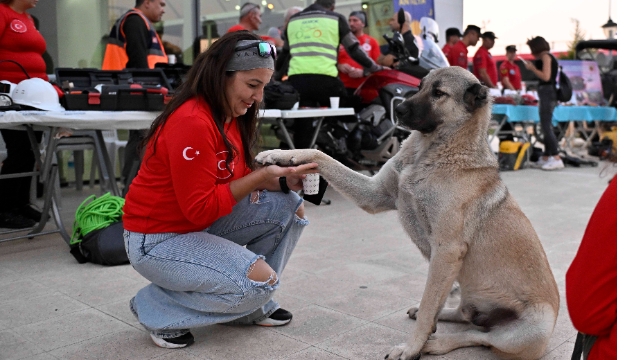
(129, 89)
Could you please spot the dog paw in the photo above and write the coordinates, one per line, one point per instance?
(402, 352)
(435, 346)
(413, 313)
(285, 157)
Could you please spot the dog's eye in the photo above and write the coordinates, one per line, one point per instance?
(437, 93)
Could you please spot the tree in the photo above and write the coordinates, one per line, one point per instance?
(578, 35)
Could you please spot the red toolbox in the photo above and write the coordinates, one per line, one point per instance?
(102, 90)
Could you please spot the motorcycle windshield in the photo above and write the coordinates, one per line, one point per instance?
(432, 57)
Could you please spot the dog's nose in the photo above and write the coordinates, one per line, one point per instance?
(402, 110)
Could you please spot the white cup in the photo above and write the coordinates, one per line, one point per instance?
(171, 58)
(311, 184)
(335, 102)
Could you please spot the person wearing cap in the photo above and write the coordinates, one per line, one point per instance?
(410, 42)
(310, 50)
(484, 67)
(510, 75)
(209, 229)
(458, 53)
(352, 73)
(21, 42)
(452, 36)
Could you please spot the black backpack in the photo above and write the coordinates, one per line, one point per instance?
(280, 95)
(565, 90)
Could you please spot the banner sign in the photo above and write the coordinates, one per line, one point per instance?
(585, 80)
(417, 8)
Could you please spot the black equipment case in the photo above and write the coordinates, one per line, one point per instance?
(104, 90)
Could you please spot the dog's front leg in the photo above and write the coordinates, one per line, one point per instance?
(446, 261)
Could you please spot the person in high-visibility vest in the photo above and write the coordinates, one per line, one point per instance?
(134, 43)
(312, 39)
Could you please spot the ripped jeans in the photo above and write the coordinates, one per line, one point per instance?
(200, 278)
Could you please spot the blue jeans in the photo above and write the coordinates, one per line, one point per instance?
(200, 278)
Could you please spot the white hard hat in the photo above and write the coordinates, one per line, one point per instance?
(12, 86)
(428, 26)
(37, 93)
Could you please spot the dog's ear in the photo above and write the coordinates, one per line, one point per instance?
(475, 97)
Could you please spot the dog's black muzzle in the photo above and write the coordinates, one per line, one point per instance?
(415, 117)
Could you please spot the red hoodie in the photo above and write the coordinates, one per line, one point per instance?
(183, 183)
(592, 291)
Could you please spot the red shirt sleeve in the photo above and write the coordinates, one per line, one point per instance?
(197, 167)
(592, 278)
(479, 60)
(504, 70)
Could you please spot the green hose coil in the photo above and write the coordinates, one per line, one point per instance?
(98, 214)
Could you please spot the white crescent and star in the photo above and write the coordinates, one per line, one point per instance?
(184, 153)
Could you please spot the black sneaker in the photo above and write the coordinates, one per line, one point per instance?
(12, 220)
(28, 212)
(174, 343)
(279, 317)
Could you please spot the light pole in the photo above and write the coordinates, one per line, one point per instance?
(610, 28)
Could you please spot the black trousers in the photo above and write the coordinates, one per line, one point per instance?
(315, 90)
(546, 104)
(20, 158)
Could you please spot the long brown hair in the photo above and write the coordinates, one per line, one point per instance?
(207, 80)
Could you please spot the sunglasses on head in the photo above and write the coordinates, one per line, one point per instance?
(264, 49)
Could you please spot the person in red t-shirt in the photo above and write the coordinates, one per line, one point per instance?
(21, 42)
(510, 72)
(592, 291)
(209, 231)
(452, 36)
(458, 53)
(351, 73)
(484, 68)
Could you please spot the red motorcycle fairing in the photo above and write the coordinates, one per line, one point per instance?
(368, 90)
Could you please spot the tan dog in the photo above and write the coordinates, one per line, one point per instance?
(445, 184)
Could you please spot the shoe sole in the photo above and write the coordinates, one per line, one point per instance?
(268, 322)
(167, 345)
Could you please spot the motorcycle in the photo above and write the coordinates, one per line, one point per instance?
(373, 136)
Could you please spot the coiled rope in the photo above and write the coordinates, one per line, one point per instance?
(98, 214)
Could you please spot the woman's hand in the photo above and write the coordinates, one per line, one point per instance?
(294, 175)
(529, 65)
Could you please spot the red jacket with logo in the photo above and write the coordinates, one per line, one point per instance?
(20, 41)
(183, 183)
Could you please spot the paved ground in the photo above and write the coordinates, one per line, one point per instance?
(349, 284)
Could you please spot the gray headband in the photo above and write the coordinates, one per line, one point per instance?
(250, 59)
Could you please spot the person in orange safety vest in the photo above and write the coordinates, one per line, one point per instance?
(133, 41)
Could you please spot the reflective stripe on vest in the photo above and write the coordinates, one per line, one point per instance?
(115, 55)
(313, 44)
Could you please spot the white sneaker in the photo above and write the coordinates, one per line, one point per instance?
(538, 164)
(553, 164)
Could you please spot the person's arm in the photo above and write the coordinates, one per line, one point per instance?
(268, 178)
(484, 76)
(282, 61)
(591, 280)
(504, 77)
(137, 41)
(506, 83)
(545, 74)
(352, 46)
